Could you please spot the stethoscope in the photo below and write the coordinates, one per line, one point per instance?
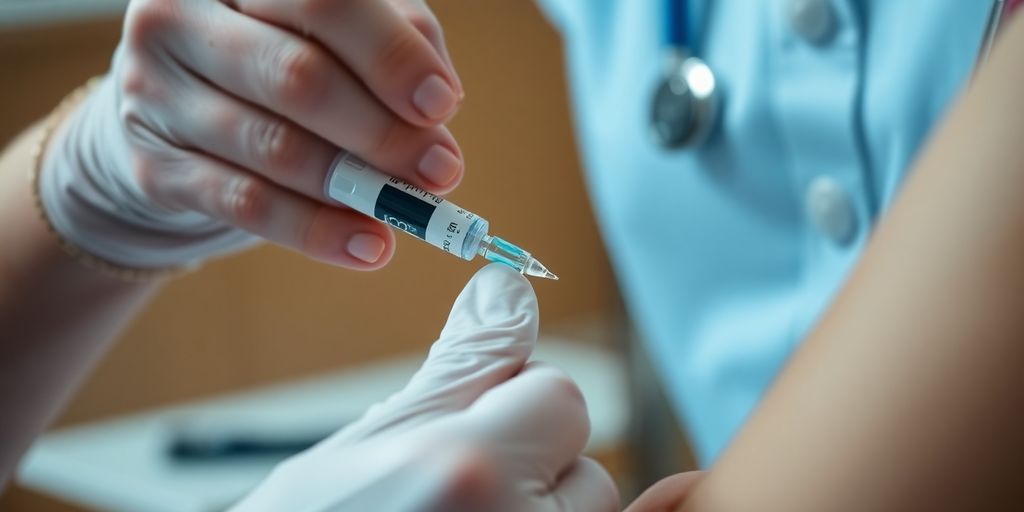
(685, 105)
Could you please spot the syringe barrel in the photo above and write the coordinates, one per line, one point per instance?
(433, 219)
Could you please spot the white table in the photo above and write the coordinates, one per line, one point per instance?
(121, 464)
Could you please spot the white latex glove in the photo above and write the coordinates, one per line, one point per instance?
(477, 428)
(220, 119)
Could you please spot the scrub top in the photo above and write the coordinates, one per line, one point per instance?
(727, 255)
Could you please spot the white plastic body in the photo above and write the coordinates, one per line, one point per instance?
(436, 220)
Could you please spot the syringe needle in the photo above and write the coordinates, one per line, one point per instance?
(537, 269)
(502, 251)
(433, 219)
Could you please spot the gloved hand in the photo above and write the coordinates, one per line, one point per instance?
(476, 428)
(219, 121)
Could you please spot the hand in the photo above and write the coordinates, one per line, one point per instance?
(224, 116)
(477, 428)
(668, 495)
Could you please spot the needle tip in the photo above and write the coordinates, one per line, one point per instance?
(537, 269)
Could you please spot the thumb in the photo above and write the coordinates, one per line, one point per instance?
(490, 335)
(497, 302)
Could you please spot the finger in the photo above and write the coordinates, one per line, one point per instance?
(489, 336)
(423, 19)
(384, 50)
(249, 137)
(473, 479)
(587, 486)
(668, 494)
(298, 80)
(197, 182)
(539, 415)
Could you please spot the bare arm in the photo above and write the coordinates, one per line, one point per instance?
(910, 393)
(56, 316)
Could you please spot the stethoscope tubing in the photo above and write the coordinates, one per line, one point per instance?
(677, 21)
(686, 103)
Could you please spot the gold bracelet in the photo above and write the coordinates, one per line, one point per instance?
(89, 260)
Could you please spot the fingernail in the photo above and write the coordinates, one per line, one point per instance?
(451, 69)
(366, 247)
(439, 165)
(434, 98)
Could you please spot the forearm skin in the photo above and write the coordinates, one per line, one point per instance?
(909, 395)
(57, 317)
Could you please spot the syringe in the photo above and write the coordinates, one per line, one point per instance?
(437, 221)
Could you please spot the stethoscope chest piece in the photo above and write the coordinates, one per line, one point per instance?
(685, 104)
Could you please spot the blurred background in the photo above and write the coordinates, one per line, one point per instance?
(269, 317)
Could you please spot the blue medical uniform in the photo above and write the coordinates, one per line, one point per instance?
(727, 255)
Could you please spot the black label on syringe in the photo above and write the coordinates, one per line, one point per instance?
(403, 211)
(401, 205)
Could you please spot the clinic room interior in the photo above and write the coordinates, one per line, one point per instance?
(244, 375)
(270, 317)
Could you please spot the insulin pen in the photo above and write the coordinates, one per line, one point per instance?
(435, 220)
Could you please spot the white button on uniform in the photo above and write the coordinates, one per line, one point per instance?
(814, 20)
(831, 210)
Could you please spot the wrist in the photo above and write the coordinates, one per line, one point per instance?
(84, 189)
